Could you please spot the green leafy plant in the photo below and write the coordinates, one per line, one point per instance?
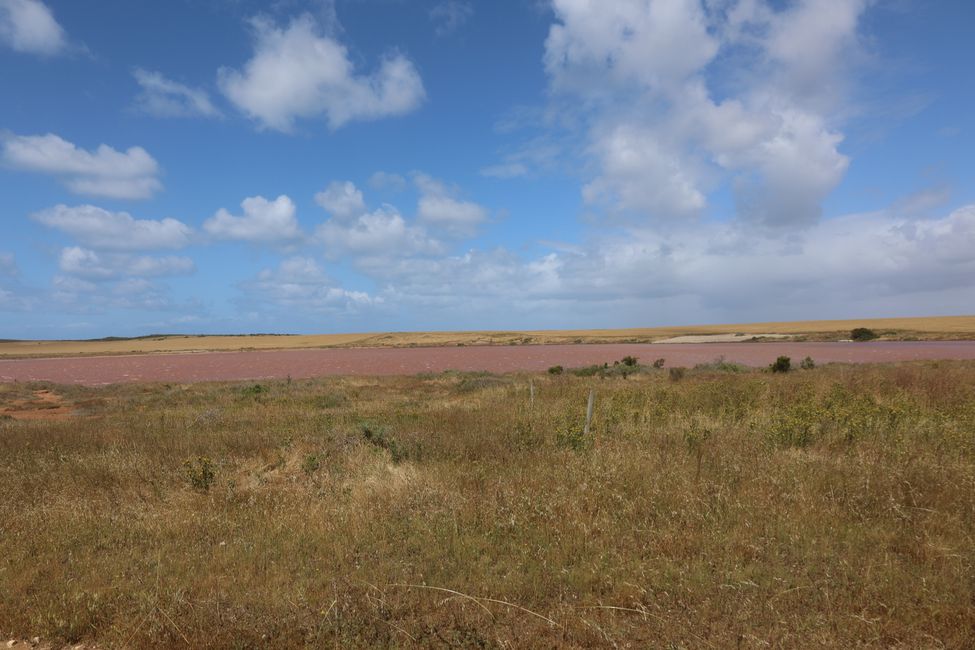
(311, 463)
(200, 472)
(556, 370)
(379, 437)
(721, 365)
(570, 433)
(254, 390)
(782, 364)
(862, 334)
(807, 363)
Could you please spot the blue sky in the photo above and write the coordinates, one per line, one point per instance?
(212, 166)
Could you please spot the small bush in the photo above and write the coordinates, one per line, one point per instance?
(659, 363)
(200, 472)
(311, 463)
(570, 433)
(379, 437)
(720, 365)
(676, 374)
(587, 371)
(782, 364)
(863, 334)
(629, 361)
(253, 391)
(556, 370)
(807, 363)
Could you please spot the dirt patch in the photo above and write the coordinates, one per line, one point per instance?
(40, 405)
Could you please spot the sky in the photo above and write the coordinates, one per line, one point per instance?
(315, 166)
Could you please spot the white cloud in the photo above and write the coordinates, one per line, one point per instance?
(94, 266)
(163, 97)
(342, 200)
(439, 209)
(300, 283)
(79, 295)
(299, 72)
(382, 233)
(652, 43)
(263, 222)
(639, 76)
(450, 15)
(107, 172)
(101, 229)
(29, 26)
(716, 273)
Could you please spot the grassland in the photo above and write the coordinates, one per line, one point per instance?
(928, 328)
(831, 507)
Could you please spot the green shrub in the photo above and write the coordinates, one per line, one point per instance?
(629, 361)
(807, 363)
(659, 363)
(311, 463)
(863, 334)
(720, 365)
(587, 371)
(254, 390)
(556, 370)
(379, 437)
(570, 433)
(200, 472)
(782, 364)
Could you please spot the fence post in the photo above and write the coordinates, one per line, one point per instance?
(531, 399)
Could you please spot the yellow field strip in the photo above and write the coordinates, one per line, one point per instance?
(924, 328)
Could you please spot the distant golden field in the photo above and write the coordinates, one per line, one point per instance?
(926, 328)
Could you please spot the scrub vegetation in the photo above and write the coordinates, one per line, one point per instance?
(832, 506)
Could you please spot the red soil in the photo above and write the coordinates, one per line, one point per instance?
(226, 366)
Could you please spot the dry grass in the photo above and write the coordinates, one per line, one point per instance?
(833, 507)
(929, 328)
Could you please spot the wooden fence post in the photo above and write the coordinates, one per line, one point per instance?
(592, 398)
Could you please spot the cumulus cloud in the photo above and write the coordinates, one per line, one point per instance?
(75, 294)
(439, 208)
(300, 283)
(653, 43)
(263, 222)
(343, 200)
(714, 272)
(106, 172)
(299, 72)
(354, 230)
(450, 15)
(639, 75)
(29, 26)
(382, 233)
(101, 229)
(163, 97)
(94, 266)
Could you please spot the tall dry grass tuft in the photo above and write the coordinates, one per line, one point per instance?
(831, 507)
